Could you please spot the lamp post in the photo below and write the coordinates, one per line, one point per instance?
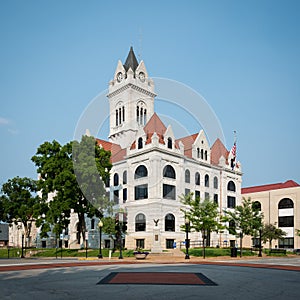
(22, 253)
(187, 241)
(100, 225)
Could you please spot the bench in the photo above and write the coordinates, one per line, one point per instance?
(277, 251)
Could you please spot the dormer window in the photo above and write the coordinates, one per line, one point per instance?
(169, 143)
(140, 143)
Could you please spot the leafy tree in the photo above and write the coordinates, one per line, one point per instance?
(203, 216)
(270, 232)
(247, 219)
(20, 203)
(72, 174)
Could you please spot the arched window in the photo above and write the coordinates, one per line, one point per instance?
(231, 228)
(120, 115)
(141, 171)
(169, 172)
(201, 153)
(197, 178)
(215, 182)
(231, 186)
(140, 222)
(285, 203)
(123, 113)
(116, 179)
(145, 116)
(169, 222)
(256, 205)
(205, 155)
(125, 177)
(140, 143)
(169, 143)
(117, 117)
(187, 176)
(206, 180)
(198, 153)
(137, 114)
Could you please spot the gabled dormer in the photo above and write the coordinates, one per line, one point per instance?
(200, 148)
(169, 138)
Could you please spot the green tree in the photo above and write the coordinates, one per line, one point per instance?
(202, 215)
(74, 175)
(247, 220)
(20, 203)
(270, 232)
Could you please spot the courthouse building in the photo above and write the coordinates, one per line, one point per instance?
(152, 168)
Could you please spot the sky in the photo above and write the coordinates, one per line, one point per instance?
(241, 56)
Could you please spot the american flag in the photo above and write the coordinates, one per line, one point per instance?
(232, 156)
(233, 150)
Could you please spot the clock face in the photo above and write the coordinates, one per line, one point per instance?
(119, 77)
(142, 76)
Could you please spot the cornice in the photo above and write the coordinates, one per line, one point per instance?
(132, 86)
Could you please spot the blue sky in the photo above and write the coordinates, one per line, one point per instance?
(241, 56)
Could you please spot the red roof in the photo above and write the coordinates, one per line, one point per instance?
(117, 153)
(218, 150)
(155, 125)
(188, 142)
(269, 187)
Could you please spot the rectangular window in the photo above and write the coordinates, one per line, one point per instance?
(141, 192)
(107, 244)
(230, 202)
(124, 195)
(216, 200)
(286, 243)
(197, 194)
(116, 196)
(187, 191)
(286, 221)
(140, 243)
(206, 196)
(169, 243)
(169, 191)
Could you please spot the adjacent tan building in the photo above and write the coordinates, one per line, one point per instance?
(280, 204)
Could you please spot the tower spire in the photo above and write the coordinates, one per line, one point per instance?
(131, 61)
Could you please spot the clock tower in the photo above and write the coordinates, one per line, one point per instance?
(131, 100)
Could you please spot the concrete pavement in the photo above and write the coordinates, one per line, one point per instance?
(71, 281)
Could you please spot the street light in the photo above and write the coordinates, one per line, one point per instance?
(100, 225)
(187, 241)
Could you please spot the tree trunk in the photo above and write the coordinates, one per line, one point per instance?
(241, 244)
(82, 226)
